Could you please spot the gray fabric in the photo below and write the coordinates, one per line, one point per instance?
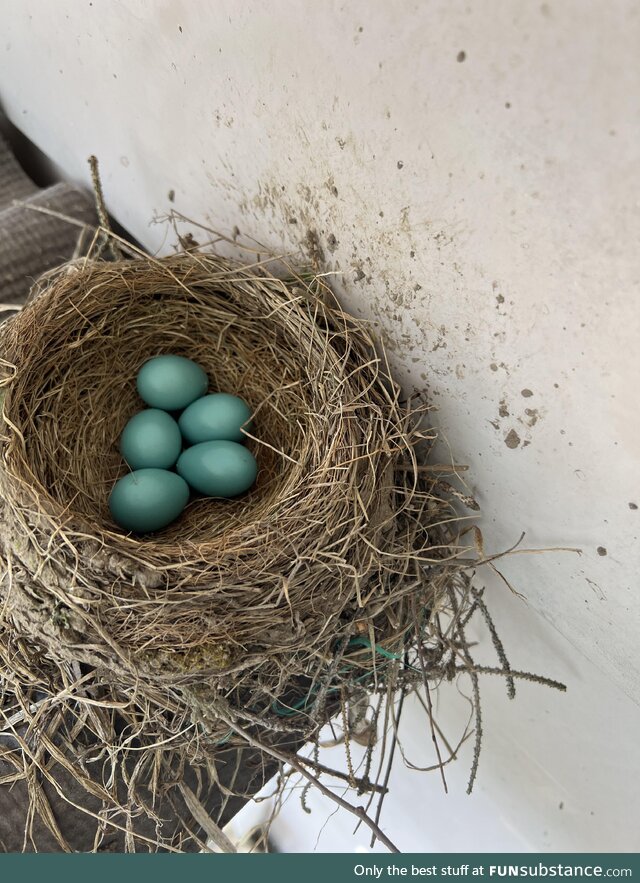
(32, 242)
(79, 829)
(14, 183)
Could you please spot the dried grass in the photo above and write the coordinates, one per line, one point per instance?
(250, 621)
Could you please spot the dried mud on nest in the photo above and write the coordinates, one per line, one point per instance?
(340, 581)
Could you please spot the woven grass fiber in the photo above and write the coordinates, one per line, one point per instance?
(336, 578)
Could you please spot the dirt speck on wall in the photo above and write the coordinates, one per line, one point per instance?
(512, 439)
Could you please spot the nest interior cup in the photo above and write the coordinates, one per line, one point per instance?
(240, 595)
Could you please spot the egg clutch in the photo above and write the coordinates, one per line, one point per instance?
(204, 445)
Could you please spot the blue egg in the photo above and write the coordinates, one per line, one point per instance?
(171, 382)
(151, 440)
(218, 468)
(215, 417)
(148, 500)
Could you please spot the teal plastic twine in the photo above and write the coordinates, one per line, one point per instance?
(359, 641)
(300, 705)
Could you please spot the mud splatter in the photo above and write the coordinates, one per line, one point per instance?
(312, 242)
(331, 186)
(512, 439)
(596, 589)
(359, 272)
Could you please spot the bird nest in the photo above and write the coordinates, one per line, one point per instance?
(247, 621)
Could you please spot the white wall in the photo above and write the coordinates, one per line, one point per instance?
(483, 211)
(558, 772)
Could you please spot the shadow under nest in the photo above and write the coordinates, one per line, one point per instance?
(338, 583)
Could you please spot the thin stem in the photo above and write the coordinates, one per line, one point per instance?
(357, 811)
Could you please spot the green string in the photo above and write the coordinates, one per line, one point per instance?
(359, 641)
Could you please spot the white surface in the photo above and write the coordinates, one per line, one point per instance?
(485, 214)
(558, 772)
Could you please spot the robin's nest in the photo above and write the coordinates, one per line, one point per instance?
(249, 619)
